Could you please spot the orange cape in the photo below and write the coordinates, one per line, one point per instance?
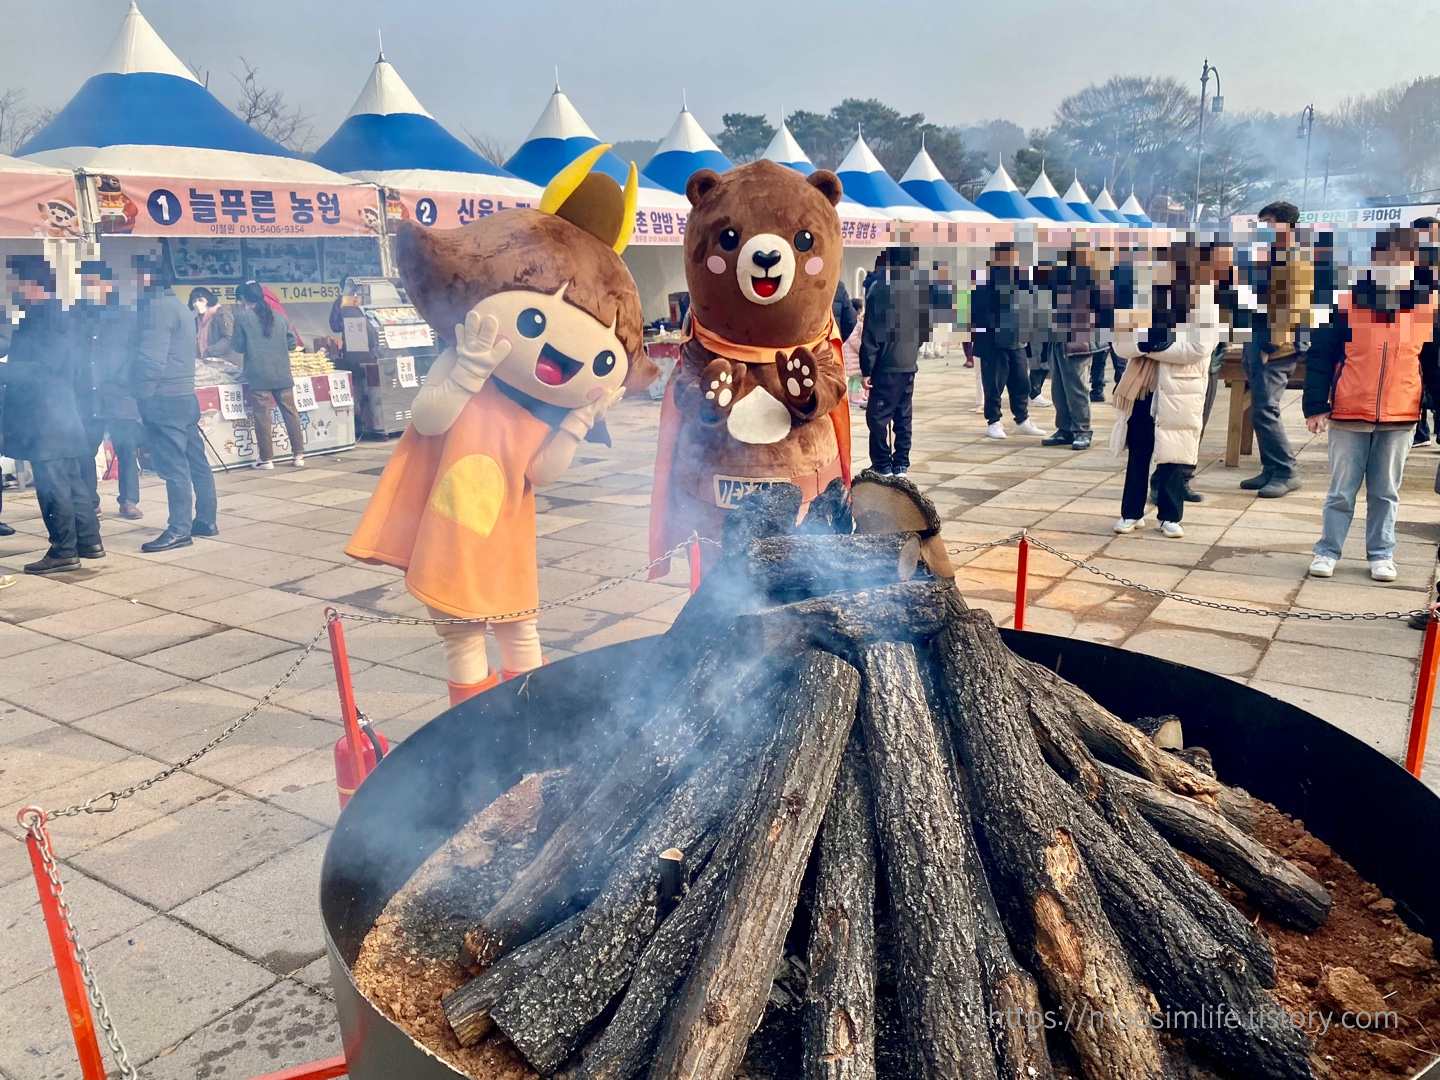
(670, 418)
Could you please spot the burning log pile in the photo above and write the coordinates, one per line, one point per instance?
(857, 753)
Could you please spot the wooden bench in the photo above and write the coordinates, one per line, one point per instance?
(1240, 430)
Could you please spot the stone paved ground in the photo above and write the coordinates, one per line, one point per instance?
(197, 898)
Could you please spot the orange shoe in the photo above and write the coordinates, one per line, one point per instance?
(506, 675)
(465, 691)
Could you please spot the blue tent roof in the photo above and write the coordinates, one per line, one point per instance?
(143, 95)
(1080, 203)
(388, 129)
(1107, 209)
(786, 151)
(1135, 213)
(866, 181)
(1043, 196)
(683, 152)
(1003, 199)
(558, 138)
(924, 183)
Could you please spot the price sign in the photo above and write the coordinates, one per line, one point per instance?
(340, 390)
(411, 336)
(356, 338)
(405, 371)
(305, 395)
(232, 402)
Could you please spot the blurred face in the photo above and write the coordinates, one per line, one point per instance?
(1005, 258)
(558, 353)
(200, 305)
(31, 292)
(1281, 230)
(96, 289)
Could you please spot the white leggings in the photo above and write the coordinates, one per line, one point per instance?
(465, 659)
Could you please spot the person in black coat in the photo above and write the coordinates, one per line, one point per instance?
(897, 310)
(845, 316)
(43, 424)
(6, 329)
(104, 350)
(163, 381)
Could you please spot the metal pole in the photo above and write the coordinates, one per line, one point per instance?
(72, 981)
(693, 555)
(316, 1070)
(1200, 136)
(1424, 698)
(1309, 135)
(1022, 579)
(1325, 191)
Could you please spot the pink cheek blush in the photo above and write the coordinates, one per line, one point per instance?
(814, 265)
(715, 264)
(595, 394)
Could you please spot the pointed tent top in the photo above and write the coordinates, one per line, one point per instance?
(1000, 181)
(138, 48)
(557, 78)
(923, 167)
(560, 120)
(1043, 196)
(1075, 193)
(1134, 211)
(866, 181)
(684, 104)
(1104, 201)
(385, 94)
(786, 151)
(1003, 199)
(687, 136)
(1042, 188)
(861, 159)
(1079, 203)
(683, 152)
(924, 183)
(380, 37)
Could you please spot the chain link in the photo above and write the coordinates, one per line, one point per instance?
(1011, 539)
(35, 826)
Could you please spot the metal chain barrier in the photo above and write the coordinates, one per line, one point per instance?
(34, 823)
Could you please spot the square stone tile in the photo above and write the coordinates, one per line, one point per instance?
(271, 738)
(32, 598)
(152, 635)
(1385, 725)
(195, 592)
(1220, 653)
(251, 608)
(316, 673)
(304, 785)
(277, 568)
(50, 664)
(386, 642)
(255, 913)
(17, 723)
(149, 580)
(214, 653)
(109, 614)
(1387, 678)
(37, 763)
(15, 640)
(200, 846)
(106, 686)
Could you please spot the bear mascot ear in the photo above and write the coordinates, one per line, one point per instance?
(700, 184)
(827, 183)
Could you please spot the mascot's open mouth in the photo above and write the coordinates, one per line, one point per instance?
(765, 286)
(554, 367)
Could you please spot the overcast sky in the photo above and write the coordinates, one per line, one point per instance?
(487, 66)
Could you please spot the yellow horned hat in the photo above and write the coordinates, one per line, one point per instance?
(593, 201)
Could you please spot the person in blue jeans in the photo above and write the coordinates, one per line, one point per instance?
(1363, 385)
(164, 385)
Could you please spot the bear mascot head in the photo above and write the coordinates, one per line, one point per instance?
(758, 397)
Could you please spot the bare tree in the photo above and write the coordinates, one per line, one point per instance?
(266, 111)
(18, 120)
(492, 148)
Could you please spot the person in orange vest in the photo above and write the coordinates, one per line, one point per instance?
(1363, 386)
(546, 329)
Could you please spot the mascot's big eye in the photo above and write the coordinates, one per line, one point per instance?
(531, 322)
(803, 240)
(604, 363)
(730, 239)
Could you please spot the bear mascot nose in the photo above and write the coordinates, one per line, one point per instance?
(765, 259)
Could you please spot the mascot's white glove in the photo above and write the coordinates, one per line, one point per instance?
(581, 420)
(477, 353)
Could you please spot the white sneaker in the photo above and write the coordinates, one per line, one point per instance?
(1029, 427)
(1172, 529)
(263, 465)
(1322, 566)
(1128, 525)
(996, 431)
(1383, 569)
(1042, 402)
(901, 473)
(298, 461)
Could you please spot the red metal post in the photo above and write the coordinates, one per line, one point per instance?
(72, 983)
(1022, 579)
(1424, 697)
(349, 715)
(316, 1070)
(694, 556)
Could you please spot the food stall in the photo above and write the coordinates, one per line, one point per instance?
(388, 347)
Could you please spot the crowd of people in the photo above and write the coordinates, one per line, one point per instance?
(101, 368)
(1162, 314)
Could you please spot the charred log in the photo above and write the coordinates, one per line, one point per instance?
(927, 855)
(839, 1033)
(724, 998)
(795, 567)
(913, 611)
(1165, 732)
(829, 513)
(1275, 885)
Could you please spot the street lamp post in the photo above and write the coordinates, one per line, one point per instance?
(1219, 103)
(1306, 131)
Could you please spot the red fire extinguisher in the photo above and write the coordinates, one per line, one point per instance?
(373, 747)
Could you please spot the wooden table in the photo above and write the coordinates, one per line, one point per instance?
(1240, 431)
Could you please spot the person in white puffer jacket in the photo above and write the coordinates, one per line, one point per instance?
(1161, 399)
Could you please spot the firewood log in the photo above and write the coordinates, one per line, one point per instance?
(1070, 757)
(724, 997)
(927, 853)
(1047, 894)
(1275, 885)
(1165, 732)
(787, 568)
(1184, 965)
(573, 861)
(839, 1022)
(546, 994)
(841, 624)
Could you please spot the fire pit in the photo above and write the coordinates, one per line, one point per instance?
(1370, 811)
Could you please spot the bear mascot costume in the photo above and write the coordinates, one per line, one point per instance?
(758, 396)
(546, 329)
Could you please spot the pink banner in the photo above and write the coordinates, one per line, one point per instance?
(160, 206)
(39, 206)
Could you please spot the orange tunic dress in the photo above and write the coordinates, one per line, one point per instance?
(456, 512)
